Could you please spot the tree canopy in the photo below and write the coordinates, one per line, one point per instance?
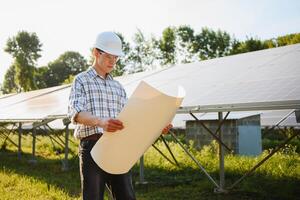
(176, 45)
(65, 66)
(25, 48)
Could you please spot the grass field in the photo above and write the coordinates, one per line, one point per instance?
(278, 179)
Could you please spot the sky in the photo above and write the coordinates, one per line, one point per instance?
(72, 25)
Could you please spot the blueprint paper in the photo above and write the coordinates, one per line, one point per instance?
(144, 116)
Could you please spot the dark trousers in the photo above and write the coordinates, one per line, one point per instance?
(94, 179)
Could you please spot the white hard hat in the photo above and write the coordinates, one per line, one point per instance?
(109, 42)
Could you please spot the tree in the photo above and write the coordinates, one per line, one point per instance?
(211, 44)
(142, 55)
(270, 43)
(42, 77)
(167, 46)
(251, 44)
(235, 47)
(288, 39)
(185, 40)
(121, 64)
(69, 63)
(9, 83)
(25, 48)
(69, 80)
(295, 39)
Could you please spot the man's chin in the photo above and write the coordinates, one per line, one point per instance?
(109, 69)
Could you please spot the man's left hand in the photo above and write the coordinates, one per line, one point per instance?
(167, 128)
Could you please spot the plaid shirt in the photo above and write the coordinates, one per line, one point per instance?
(102, 97)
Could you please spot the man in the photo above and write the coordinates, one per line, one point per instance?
(94, 103)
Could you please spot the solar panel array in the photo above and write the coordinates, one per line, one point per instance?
(258, 77)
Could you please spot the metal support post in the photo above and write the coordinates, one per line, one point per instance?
(221, 158)
(33, 160)
(20, 140)
(297, 115)
(65, 162)
(142, 177)
(33, 142)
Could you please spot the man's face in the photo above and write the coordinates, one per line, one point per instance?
(106, 61)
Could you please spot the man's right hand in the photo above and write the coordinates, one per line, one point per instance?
(108, 124)
(111, 125)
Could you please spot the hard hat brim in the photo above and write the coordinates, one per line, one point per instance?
(115, 53)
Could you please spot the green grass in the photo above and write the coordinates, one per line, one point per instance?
(279, 178)
(271, 144)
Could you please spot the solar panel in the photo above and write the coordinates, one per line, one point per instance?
(37, 105)
(262, 76)
(11, 99)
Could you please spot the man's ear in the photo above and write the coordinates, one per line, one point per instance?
(95, 52)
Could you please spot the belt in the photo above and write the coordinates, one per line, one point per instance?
(92, 137)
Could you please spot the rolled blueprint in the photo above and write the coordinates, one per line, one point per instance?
(144, 116)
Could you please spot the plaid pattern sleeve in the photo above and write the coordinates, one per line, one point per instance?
(103, 98)
(77, 100)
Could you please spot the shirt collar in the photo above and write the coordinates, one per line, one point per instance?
(93, 73)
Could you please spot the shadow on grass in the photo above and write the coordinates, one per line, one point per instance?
(186, 183)
(48, 171)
